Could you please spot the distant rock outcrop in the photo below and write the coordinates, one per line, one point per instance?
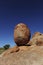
(21, 34)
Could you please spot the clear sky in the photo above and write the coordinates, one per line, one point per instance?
(13, 12)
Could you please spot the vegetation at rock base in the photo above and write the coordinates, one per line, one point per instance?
(5, 47)
(1, 50)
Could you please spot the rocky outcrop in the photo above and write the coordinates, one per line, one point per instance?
(21, 34)
(36, 34)
(9, 51)
(32, 56)
(15, 49)
(23, 48)
(37, 39)
(25, 53)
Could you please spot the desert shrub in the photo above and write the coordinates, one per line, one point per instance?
(7, 46)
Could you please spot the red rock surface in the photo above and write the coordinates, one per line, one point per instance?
(32, 56)
(9, 51)
(37, 39)
(36, 34)
(21, 34)
(22, 54)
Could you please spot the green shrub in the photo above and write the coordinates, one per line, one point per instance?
(7, 46)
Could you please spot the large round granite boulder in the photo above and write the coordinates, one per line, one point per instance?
(21, 34)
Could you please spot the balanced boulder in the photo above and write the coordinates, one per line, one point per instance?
(21, 34)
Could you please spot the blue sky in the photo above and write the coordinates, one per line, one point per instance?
(13, 12)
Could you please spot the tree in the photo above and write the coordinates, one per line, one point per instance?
(7, 46)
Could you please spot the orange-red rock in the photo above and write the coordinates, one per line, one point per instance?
(21, 34)
(36, 34)
(37, 39)
(32, 56)
(11, 50)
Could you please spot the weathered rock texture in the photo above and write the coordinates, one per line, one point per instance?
(14, 49)
(22, 54)
(32, 56)
(37, 34)
(21, 34)
(37, 39)
(9, 51)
